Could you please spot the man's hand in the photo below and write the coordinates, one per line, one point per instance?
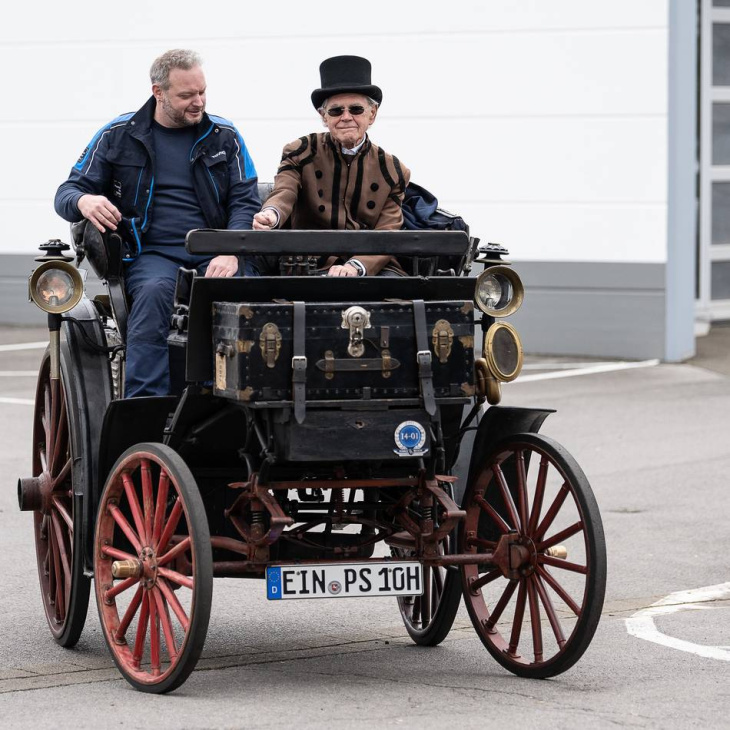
(342, 270)
(222, 266)
(264, 220)
(100, 211)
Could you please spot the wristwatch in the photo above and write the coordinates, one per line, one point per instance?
(359, 265)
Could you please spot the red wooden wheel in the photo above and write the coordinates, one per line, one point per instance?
(58, 539)
(536, 599)
(153, 568)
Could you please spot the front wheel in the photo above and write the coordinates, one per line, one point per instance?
(153, 568)
(536, 599)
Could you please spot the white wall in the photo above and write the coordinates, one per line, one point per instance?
(543, 122)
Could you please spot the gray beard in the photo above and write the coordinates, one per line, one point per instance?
(176, 117)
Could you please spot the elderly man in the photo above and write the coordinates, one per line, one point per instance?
(154, 175)
(339, 179)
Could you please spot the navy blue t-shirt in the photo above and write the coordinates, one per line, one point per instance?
(176, 209)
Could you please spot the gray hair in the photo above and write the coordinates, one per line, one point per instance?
(371, 102)
(176, 58)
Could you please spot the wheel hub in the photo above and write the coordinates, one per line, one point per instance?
(515, 555)
(34, 493)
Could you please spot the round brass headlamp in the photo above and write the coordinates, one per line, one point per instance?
(503, 351)
(498, 291)
(56, 287)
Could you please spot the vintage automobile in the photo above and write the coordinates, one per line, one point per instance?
(333, 437)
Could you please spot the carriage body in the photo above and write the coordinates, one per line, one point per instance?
(331, 437)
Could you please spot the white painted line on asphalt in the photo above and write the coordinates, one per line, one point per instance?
(24, 346)
(17, 401)
(587, 371)
(18, 373)
(642, 625)
(563, 365)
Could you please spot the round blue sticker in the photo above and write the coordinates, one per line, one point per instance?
(410, 437)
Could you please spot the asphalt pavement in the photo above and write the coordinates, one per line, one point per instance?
(654, 440)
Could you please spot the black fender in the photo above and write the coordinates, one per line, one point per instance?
(495, 424)
(87, 376)
(132, 421)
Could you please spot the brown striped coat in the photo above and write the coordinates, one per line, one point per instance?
(317, 187)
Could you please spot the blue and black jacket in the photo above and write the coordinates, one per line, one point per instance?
(119, 163)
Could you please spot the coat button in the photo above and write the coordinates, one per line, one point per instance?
(318, 174)
(374, 187)
(321, 208)
(371, 204)
(320, 193)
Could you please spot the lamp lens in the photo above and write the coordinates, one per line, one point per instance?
(505, 351)
(54, 288)
(495, 291)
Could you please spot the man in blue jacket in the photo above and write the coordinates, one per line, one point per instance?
(152, 176)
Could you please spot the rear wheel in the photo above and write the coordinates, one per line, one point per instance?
(57, 527)
(428, 618)
(536, 599)
(153, 568)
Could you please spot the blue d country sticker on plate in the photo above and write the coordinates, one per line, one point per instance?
(410, 438)
(273, 584)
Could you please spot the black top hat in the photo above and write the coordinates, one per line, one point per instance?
(342, 75)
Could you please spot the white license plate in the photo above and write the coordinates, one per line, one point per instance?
(343, 580)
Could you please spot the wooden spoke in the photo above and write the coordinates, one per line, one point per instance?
(147, 500)
(479, 542)
(160, 508)
(61, 544)
(506, 496)
(64, 513)
(177, 608)
(62, 475)
(562, 564)
(539, 495)
(139, 640)
(502, 604)
(549, 610)
(535, 619)
(129, 614)
(112, 552)
(60, 437)
(482, 580)
(514, 638)
(176, 577)
(552, 512)
(562, 535)
(126, 528)
(550, 580)
(171, 526)
(426, 598)
(42, 458)
(134, 507)
(522, 499)
(502, 526)
(164, 618)
(120, 587)
(173, 552)
(154, 636)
